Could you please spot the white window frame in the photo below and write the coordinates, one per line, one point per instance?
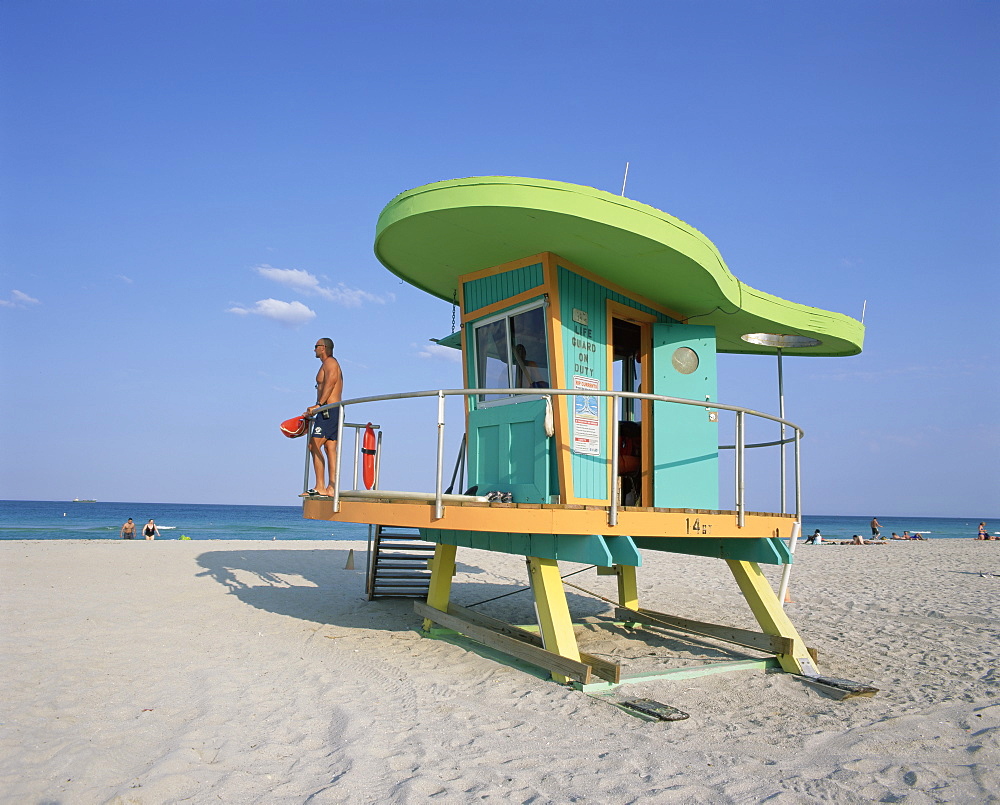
(506, 315)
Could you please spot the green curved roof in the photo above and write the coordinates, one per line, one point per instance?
(431, 235)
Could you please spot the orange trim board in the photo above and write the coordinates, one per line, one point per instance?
(530, 260)
(619, 289)
(616, 310)
(552, 519)
(503, 304)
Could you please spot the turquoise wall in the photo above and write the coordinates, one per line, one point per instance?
(685, 439)
(509, 451)
(497, 287)
(579, 293)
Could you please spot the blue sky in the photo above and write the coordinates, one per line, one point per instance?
(191, 190)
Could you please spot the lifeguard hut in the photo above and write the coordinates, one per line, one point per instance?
(590, 325)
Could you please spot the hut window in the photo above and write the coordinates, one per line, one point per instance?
(512, 352)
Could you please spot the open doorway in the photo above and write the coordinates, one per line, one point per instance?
(627, 350)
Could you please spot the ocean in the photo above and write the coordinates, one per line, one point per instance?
(48, 519)
(55, 519)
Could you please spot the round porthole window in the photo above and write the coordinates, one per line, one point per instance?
(685, 360)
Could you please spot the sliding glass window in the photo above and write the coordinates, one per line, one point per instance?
(512, 352)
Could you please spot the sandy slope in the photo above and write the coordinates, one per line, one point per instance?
(246, 672)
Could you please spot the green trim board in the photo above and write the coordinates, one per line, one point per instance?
(433, 234)
(588, 549)
(763, 551)
(676, 674)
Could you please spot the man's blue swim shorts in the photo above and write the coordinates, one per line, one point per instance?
(324, 425)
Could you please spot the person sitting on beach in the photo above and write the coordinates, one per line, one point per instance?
(907, 535)
(983, 533)
(814, 538)
(896, 536)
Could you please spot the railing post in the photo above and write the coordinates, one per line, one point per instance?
(796, 526)
(378, 457)
(439, 475)
(340, 456)
(740, 470)
(305, 479)
(357, 439)
(798, 475)
(613, 508)
(781, 447)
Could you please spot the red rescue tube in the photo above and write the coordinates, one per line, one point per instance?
(368, 456)
(295, 427)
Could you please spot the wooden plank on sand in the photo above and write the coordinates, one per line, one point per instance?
(728, 634)
(523, 651)
(603, 668)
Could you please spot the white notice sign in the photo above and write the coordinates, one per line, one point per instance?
(586, 419)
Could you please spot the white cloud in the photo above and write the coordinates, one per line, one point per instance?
(436, 351)
(123, 278)
(306, 283)
(290, 277)
(291, 314)
(18, 299)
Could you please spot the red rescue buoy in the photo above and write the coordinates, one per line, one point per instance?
(368, 456)
(295, 427)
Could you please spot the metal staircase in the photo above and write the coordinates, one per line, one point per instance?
(397, 565)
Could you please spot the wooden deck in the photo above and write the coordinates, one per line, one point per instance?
(554, 518)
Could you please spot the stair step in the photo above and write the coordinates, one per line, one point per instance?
(401, 584)
(384, 555)
(399, 564)
(401, 573)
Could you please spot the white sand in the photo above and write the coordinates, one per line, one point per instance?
(249, 672)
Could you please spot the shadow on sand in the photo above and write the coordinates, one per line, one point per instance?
(313, 585)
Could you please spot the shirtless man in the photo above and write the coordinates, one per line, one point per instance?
(128, 530)
(323, 429)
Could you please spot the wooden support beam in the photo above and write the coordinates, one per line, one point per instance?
(772, 618)
(553, 611)
(728, 634)
(561, 668)
(628, 591)
(603, 668)
(442, 569)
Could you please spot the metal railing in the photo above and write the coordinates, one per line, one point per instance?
(358, 428)
(740, 446)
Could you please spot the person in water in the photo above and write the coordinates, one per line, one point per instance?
(150, 531)
(323, 430)
(128, 529)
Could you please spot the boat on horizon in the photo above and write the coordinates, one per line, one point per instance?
(83, 500)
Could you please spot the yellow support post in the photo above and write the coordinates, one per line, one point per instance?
(772, 618)
(628, 591)
(442, 569)
(553, 611)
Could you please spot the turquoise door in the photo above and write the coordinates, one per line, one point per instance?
(509, 451)
(685, 437)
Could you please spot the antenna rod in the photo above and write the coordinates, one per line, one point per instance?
(625, 179)
(863, 306)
